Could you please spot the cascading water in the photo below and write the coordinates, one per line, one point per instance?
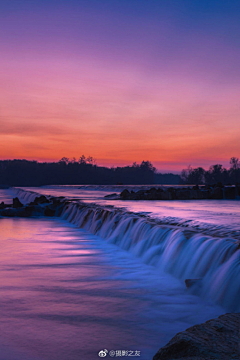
(184, 254)
(25, 196)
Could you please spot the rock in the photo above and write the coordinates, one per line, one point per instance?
(183, 194)
(131, 196)
(40, 200)
(19, 212)
(217, 193)
(199, 194)
(111, 196)
(190, 282)
(29, 210)
(140, 192)
(49, 212)
(205, 194)
(165, 195)
(10, 212)
(153, 190)
(216, 339)
(125, 194)
(57, 199)
(2, 205)
(238, 189)
(17, 203)
(23, 212)
(230, 192)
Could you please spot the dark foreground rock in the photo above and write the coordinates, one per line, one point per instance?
(4, 206)
(49, 212)
(42, 199)
(215, 339)
(17, 203)
(41, 206)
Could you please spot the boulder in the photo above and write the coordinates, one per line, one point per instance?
(23, 212)
(17, 203)
(125, 194)
(10, 212)
(29, 210)
(216, 339)
(217, 193)
(40, 200)
(49, 212)
(140, 192)
(2, 205)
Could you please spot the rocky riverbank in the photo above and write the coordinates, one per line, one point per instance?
(181, 193)
(217, 339)
(41, 206)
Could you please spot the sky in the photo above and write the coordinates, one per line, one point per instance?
(121, 81)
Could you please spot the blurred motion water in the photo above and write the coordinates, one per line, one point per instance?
(67, 294)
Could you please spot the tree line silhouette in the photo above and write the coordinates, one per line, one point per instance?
(79, 172)
(216, 174)
(85, 171)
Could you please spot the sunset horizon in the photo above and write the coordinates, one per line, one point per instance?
(122, 81)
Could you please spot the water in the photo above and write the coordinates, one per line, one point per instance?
(201, 213)
(6, 196)
(98, 277)
(67, 294)
(184, 252)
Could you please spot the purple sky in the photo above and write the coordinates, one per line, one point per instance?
(121, 81)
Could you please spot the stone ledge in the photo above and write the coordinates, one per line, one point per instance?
(217, 339)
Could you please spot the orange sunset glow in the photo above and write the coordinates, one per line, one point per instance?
(147, 91)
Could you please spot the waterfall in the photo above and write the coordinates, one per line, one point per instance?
(26, 196)
(184, 254)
